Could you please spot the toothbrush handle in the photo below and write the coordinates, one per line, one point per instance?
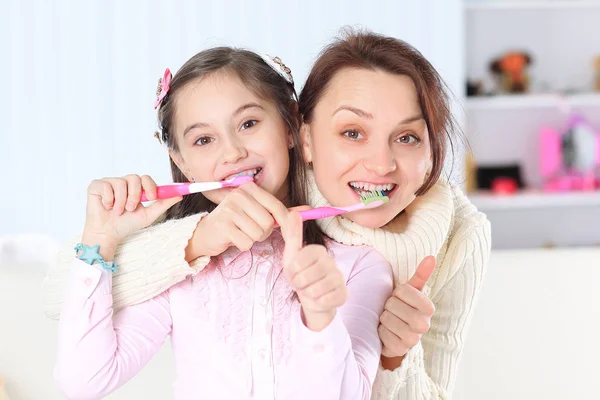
(169, 191)
(321, 212)
(318, 213)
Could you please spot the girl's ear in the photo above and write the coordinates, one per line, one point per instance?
(306, 142)
(178, 160)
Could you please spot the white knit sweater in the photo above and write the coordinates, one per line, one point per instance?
(442, 223)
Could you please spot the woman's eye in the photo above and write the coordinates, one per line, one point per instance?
(204, 140)
(249, 124)
(353, 134)
(408, 139)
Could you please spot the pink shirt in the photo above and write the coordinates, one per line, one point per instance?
(235, 330)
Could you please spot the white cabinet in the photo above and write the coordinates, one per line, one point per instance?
(563, 40)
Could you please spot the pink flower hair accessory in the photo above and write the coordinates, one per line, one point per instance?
(164, 84)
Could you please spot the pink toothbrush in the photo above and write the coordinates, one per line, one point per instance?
(181, 189)
(368, 200)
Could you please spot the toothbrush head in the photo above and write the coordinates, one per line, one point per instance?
(374, 198)
(237, 181)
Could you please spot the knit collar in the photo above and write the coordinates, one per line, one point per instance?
(419, 231)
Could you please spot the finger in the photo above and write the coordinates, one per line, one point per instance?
(300, 208)
(239, 239)
(273, 205)
(392, 344)
(334, 298)
(307, 257)
(414, 298)
(292, 235)
(249, 226)
(400, 329)
(261, 217)
(310, 279)
(160, 207)
(119, 186)
(394, 324)
(134, 191)
(417, 321)
(423, 273)
(102, 190)
(319, 289)
(149, 187)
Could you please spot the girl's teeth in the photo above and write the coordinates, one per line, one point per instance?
(250, 172)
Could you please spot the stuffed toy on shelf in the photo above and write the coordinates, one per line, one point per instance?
(511, 72)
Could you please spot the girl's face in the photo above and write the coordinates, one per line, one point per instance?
(223, 129)
(368, 133)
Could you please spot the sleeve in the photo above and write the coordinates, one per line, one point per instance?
(429, 369)
(98, 351)
(340, 361)
(149, 262)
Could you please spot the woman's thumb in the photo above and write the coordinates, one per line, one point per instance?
(423, 273)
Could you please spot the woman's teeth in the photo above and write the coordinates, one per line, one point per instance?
(250, 172)
(360, 187)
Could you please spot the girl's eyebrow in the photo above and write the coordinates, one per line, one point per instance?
(245, 107)
(235, 113)
(194, 126)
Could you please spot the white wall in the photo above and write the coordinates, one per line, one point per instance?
(78, 81)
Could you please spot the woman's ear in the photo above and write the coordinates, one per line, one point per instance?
(306, 142)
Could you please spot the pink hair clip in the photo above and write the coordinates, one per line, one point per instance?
(164, 84)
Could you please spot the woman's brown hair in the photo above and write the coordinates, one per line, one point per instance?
(266, 83)
(368, 50)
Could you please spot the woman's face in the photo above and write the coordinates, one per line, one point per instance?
(224, 130)
(368, 133)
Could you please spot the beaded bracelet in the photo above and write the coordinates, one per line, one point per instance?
(91, 255)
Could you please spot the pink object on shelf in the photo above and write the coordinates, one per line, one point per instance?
(550, 153)
(504, 185)
(566, 163)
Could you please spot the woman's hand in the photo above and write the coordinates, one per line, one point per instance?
(406, 316)
(245, 216)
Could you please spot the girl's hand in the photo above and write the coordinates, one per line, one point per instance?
(114, 210)
(245, 216)
(313, 274)
(407, 316)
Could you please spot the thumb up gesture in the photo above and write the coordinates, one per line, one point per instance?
(313, 275)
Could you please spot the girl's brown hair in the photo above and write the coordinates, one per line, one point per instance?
(266, 83)
(368, 50)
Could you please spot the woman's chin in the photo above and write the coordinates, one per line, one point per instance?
(371, 219)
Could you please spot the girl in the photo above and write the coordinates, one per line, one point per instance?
(375, 113)
(239, 329)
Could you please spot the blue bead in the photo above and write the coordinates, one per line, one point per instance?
(90, 254)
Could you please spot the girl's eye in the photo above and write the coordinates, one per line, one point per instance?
(409, 139)
(204, 140)
(249, 124)
(353, 134)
